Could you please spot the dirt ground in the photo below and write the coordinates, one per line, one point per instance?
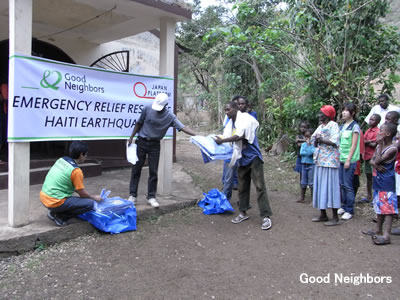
(188, 255)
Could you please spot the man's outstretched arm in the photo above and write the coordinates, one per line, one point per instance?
(230, 139)
(188, 131)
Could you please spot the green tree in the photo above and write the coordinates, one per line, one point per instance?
(200, 64)
(341, 47)
(313, 52)
(291, 61)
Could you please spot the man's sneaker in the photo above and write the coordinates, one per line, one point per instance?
(132, 199)
(347, 216)
(239, 218)
(341, 211)
(266, 224)
(59, 222)
(153, 202)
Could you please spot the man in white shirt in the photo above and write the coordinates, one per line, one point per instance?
(382, 109)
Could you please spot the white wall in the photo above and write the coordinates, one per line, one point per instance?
(143, 49)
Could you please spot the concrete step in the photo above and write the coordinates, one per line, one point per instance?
(39, 169)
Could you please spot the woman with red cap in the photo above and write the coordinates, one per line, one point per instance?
(326, 174)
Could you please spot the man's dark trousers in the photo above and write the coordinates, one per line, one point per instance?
(253, 172)
(151, 148)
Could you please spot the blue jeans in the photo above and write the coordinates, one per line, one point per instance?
(72, 207)
(307, 175)
(229, 178)
(235, 176)
(346, 187)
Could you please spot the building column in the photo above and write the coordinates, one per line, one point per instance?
(20, 22)
(167, 61)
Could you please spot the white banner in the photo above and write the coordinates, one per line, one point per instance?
(58, 101)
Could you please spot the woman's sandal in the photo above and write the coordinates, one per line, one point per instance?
(380, 240)
(320, 219)
(332, 223)
(369, 232)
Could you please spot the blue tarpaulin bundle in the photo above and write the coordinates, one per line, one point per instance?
(215, 202)
(210, 150)
(113, 215)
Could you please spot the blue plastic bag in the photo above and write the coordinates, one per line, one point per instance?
(215, 202)
(113, 215)
(210, 150)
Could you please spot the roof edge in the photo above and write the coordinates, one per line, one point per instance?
(171, 8)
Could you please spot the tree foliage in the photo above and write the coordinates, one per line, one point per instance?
(290, 61)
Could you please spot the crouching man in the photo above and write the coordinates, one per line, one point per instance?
(247, 150)
(63, 179)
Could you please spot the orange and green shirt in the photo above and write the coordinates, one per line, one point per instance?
(61, 181)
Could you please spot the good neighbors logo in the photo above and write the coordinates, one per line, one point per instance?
(51, 79)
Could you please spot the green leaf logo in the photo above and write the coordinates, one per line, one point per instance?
(50, 79)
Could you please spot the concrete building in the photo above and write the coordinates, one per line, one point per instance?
(85, 32)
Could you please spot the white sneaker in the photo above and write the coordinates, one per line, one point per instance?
(347, 216)
(266, 224)
(153, 202)
(340, 211)
(132, 199)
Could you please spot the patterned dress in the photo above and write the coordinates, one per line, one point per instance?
(326, 192)
(384, 185)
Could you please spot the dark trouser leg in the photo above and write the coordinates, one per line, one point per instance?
(235, 177)
(303, 195)
(153, 154)
(334, 214)
(257, 176)
(356, 184)
(137, 168)
(244, 176)
(369, 185)
(72, 207)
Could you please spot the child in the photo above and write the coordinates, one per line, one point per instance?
(370, 145)
(385, 199)
(303, 126)
(349, 155)
(396, 231)
(392, 117)
(307, 172)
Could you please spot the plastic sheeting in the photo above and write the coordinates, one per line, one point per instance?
(113, 215)
(210, 150)
(215, 202)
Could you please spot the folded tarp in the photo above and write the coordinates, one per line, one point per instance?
(215, 202)
(210, 150)
(113, 215)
